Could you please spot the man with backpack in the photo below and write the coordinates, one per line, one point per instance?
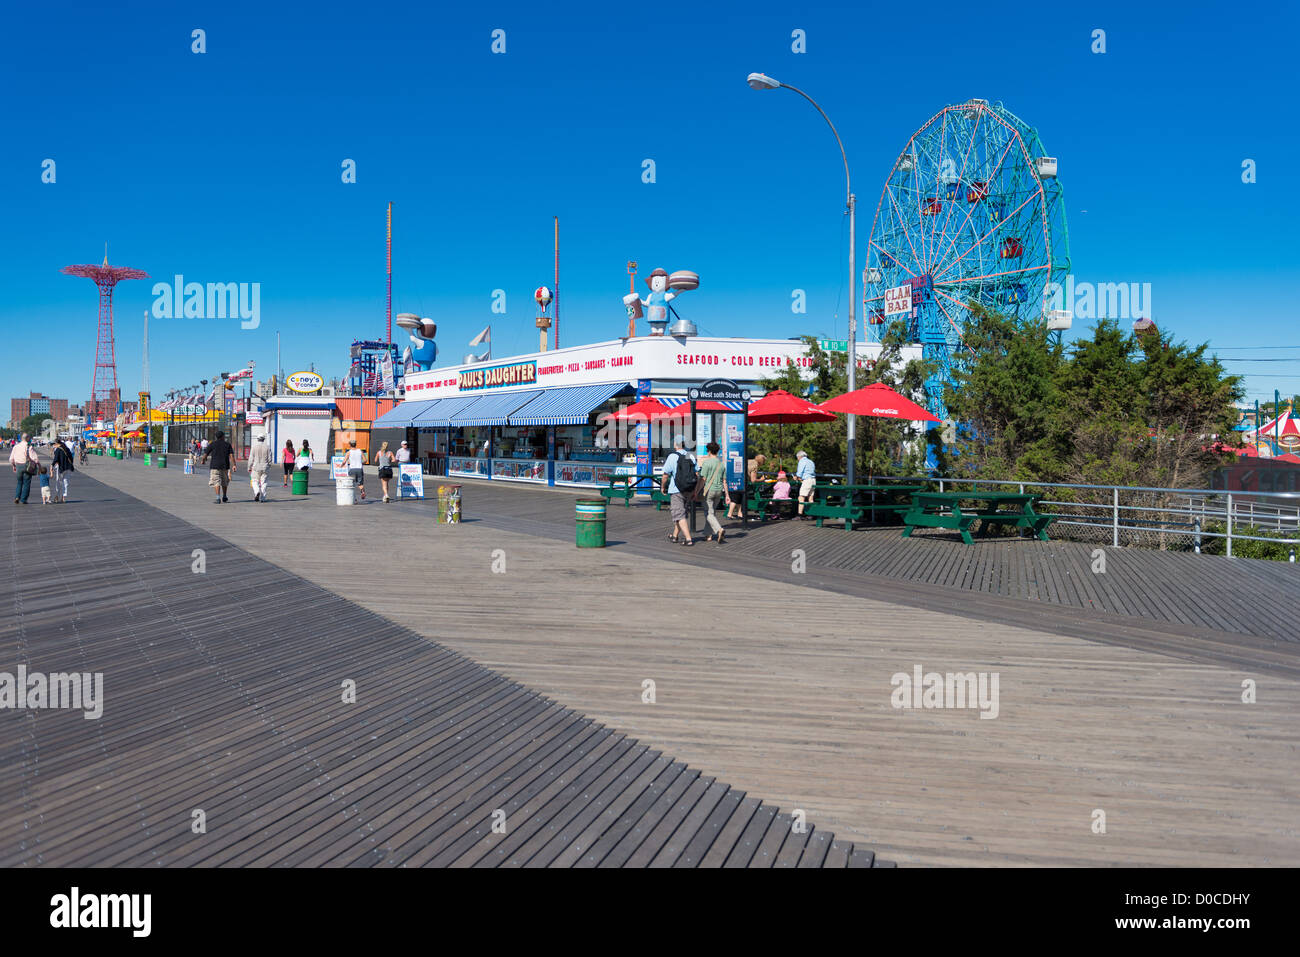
(679, 481)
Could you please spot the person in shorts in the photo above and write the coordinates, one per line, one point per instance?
(354, 461)
(677, 497)
(221, 458)
(806, 473)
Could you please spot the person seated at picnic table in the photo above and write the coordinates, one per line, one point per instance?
(781, 494)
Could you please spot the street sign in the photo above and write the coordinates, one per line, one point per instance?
(718, 390)
(833, 345)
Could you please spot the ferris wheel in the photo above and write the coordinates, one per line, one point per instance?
(971, 213)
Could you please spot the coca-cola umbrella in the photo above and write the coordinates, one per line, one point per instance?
(877, 401)
(779, 407)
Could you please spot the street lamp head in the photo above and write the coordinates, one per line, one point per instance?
(761, 81)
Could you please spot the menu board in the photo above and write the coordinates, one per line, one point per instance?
(410, 481)
(733, 449)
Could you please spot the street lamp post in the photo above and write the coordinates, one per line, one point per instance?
(761, 81)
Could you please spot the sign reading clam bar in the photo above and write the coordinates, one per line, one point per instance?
(718, 390)
(898, 300)
(496, 377)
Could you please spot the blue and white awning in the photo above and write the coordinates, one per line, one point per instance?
(571, 405)
(439, 415)
(673, 401)
(493, 409)
(403, 414)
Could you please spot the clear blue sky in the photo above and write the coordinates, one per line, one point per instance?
(225, 166)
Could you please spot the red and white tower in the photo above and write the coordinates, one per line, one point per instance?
(103, 383)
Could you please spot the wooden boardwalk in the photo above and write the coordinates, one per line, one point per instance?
(1182, 589)
(222, 694)
(779, 683)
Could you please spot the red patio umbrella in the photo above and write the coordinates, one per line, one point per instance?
(877, 401)
(779, 407)
(649, 408)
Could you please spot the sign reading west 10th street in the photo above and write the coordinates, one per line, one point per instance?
(898, 300)
(718, 390)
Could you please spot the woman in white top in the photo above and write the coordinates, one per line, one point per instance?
(303, 459)
(384, 459)
(355, 462)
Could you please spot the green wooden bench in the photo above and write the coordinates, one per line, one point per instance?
(833, 501)
(848, 510)
(623, 487)
(944, 510)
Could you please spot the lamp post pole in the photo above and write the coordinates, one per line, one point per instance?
(761, 81)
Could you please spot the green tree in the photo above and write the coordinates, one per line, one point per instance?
(1112, 409)
(1004, 395)
(32, 424)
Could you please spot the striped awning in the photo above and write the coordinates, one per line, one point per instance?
(673, 401)
(571, 405)
(439, 416)
(493, 409)
(403, 414)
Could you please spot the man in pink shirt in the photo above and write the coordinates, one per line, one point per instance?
(24, 461)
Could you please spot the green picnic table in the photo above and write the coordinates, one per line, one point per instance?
(624, 487)
(852, 502)
(944, 510)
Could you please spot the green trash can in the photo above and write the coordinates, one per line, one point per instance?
(300, 477)
(161, 461)
(148, 458)
(591, 523)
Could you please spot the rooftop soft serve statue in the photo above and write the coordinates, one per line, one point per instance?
(663, 290)
(423, 351)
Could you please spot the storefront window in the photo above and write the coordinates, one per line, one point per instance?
(469, 441)
(518, 442)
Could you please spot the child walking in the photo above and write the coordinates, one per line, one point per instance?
(45, 485)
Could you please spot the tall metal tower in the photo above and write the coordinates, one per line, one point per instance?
(103, 383)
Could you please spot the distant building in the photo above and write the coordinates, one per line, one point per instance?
(36, 404)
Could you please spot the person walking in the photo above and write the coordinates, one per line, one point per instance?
(354, 461)
(45, 485)
(287, 458)
(62, 469)
(751, 471)
(259, 460)
(403, 454)
(303, 462)
(679, 481)
(806, 473)
(25, 463)
(221, 458)
(712, 488)
(385, 459)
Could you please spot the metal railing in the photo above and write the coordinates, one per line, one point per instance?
(1167, 518)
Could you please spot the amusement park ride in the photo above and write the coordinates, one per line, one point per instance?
(972, 213)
